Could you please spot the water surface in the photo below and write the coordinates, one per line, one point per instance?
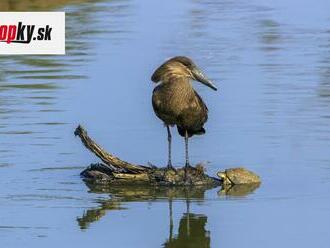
(271, 62)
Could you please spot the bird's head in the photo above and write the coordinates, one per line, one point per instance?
(180, 66)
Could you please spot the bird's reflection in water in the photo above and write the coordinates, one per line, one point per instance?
(121, 194)
(191, 231)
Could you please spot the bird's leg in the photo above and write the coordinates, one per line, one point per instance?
(187, 165)
(186, 149)
(169, 138)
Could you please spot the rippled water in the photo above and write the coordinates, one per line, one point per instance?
(271, 61)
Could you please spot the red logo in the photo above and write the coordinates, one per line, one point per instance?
(23, 33)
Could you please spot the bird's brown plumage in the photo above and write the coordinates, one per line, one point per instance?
(175, 101)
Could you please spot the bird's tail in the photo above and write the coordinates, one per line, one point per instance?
(190, 132)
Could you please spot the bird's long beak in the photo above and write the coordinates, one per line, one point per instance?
(200, 77)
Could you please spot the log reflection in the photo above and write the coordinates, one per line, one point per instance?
(192, 226)
(121, 194)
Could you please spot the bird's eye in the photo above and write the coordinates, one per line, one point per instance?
(187, 63)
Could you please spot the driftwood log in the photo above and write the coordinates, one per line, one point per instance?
(115, 171)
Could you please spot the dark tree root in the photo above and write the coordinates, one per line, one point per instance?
(115, 171)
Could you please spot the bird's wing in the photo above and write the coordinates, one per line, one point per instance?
(202, 105)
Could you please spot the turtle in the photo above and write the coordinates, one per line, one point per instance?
(236, 176)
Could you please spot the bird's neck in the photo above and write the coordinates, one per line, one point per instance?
(179, 82)
(180, 87)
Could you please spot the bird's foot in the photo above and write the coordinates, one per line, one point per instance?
(188, 167)
(170, 167)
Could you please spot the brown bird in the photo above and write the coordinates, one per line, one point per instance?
(175, 101)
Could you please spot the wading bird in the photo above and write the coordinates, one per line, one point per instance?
(175, 101)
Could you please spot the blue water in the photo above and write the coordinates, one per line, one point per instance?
(271, 63)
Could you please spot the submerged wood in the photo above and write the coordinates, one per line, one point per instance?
(113, 170)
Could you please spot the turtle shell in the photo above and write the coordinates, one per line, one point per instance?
(240, 176)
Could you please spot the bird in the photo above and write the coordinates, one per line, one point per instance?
(176, 103)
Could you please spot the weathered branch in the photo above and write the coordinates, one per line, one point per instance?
(113, 162)
(115, 171)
